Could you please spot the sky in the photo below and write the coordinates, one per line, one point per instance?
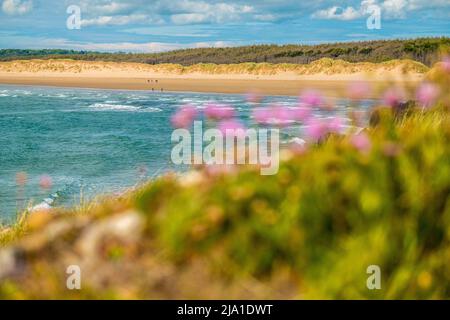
(162, 25)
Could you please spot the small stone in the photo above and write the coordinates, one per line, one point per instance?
(125, 228)
(8, 262)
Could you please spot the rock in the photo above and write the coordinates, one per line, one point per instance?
(125, 228)
(54, 231)
(9, 262)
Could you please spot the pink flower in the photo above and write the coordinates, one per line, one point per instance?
(218, 112)
(21, 178)
(253, 97)
(312, 98)
(446, 64)
(274, 114)
(316, 129)
(335, 125)
(45, 182)
(262, 115)
(391, 149)
(301, 113)
(427, 94)
(184, 117)
(361, 142)
(393, 97)
(280, 115)
(359, 90)
(231, 128)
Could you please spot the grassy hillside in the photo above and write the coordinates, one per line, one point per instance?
(424, 50)
(310, 231)
(324, 65)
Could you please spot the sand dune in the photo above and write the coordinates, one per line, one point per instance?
(236, 78)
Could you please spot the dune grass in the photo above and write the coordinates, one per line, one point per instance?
(9, 234)
(322, 66)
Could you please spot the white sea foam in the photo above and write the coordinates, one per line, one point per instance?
(297, 140)
(122, 107)
(151, 109)
(44, 205)
(113, 107)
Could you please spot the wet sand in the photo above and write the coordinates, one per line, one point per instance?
(221, 85)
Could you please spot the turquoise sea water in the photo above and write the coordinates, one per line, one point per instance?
(91, 141)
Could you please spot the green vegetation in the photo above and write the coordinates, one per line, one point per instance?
(308, 232)
(424, 50)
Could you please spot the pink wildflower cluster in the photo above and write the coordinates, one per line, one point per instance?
(359, 90)
(393, 97)
(361, 142)
(273, 114)
(427, 94)
(45, 181)
(312, 98)
(317, 129)
(445, 65)
(218, 112)
(231, 127)
(184, 117)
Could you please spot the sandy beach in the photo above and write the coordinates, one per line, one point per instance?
(269, 80)
(269, 87)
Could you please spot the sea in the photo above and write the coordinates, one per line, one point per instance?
(92, 142)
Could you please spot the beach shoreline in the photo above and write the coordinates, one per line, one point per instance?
(330, 86)
(330, 77)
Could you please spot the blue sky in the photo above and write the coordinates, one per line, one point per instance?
(161, 25)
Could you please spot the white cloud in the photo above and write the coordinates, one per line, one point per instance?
(105, 7)
(338, 13)
(180, 12)
(111, 8)
(216, 44)
(147, 47)
(202, 12)
(172, 31)
(119, 20)
(17, 7)
(390, 9)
